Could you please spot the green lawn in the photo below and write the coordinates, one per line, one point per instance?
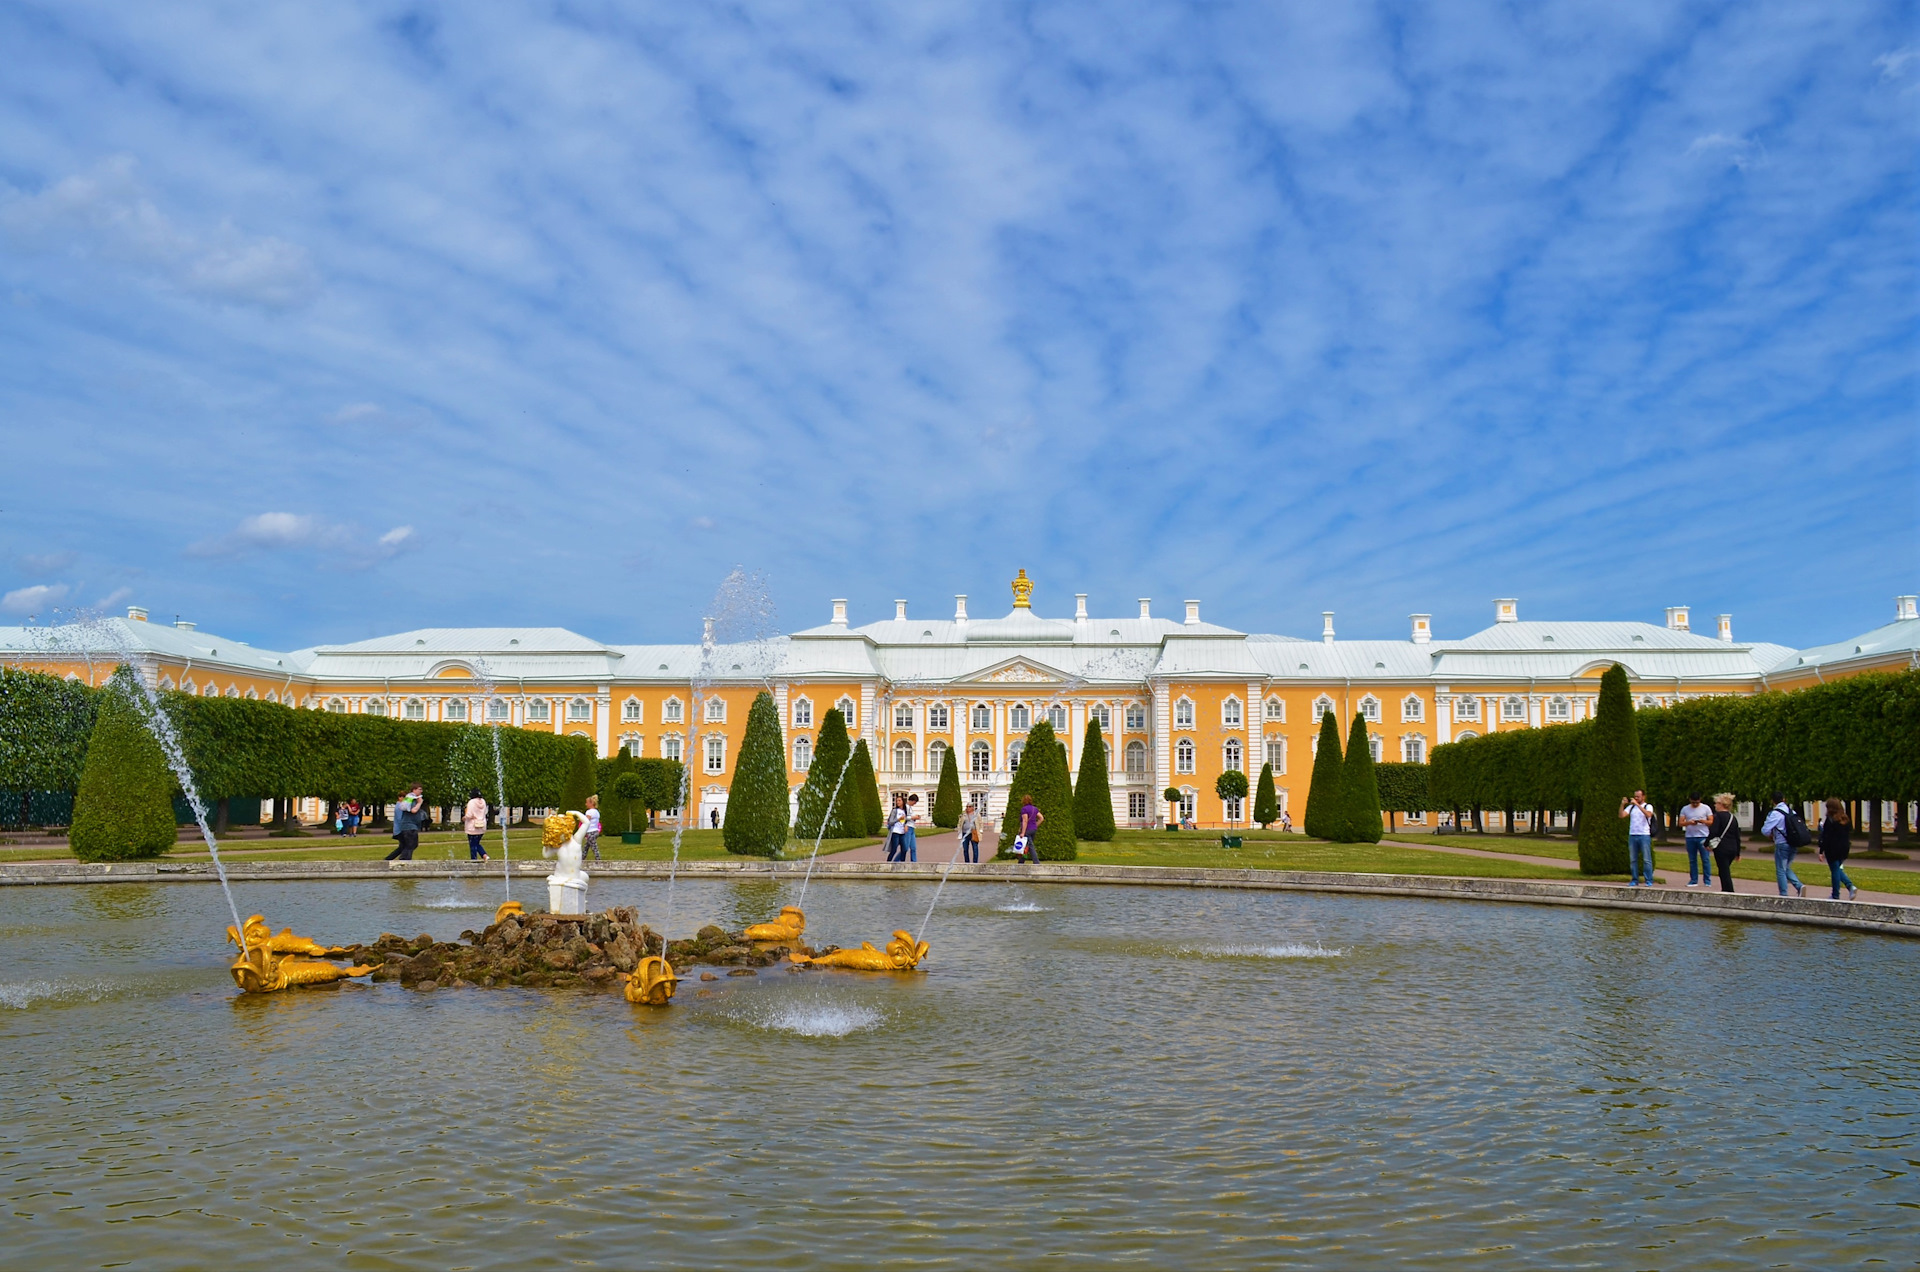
(1757, 863)
(1271, 850)
(695, 845)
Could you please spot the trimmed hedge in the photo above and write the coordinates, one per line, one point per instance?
(1042, 774)
(1266, 802)
(125, 804)
(757, 798)
(946, 800)
(1359, 795)
(1092, 797)
(1326, 803)
(832, 752)
(863, 794)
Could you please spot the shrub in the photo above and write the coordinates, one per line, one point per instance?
(1043, 774)
(865, 815)
(582, 780)
(616, 810)
(1326, 816)
(946, 800)
(832, 753)
(1359, 792)
(1171, 797)
(1231, 784)
(663, 779)
(1092, 797)
(630, 792)
(124, 808)
(757, 798)
(1613, 770)
(1266, 804)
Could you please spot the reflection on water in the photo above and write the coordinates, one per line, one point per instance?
(1145, 1076)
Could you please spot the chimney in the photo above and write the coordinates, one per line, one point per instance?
(1193, 612)
(706, 631)
(1146, 607)
(1677, 619)
(1326, 626)
(1080, 608)
(1506, 610)
(899, 610)
(1904, 608)
(840, 612)
(183, 624)
(960, 608)
(138, 613)
(1726, 628)
(1422, 628)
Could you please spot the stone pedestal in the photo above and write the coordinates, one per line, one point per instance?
(567, 895)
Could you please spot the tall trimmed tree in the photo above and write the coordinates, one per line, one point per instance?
(832, 752)
(1229, 786)
(582, 779)
(872, 815)
(757, 798)
(946, 800)
(1359, 792)
(1092, 797)
(1326, 804)
(124, 808)
(1613, 771)
(1266, 804)
(617, 812)
(1043, 774)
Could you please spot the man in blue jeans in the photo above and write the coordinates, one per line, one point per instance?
(1639, 815)
(1695, 821)
(1776, 826)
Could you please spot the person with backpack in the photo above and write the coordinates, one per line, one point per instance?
(1789, 832)
(1723, 838)
(1639, 815)
(1836, 843)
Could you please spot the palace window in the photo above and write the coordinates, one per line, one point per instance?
(1108, 748)
(1014, 752)
(903, 715)
(1233, 809)
(213, 691)
(1465, 734)
(716, 754)
(1276, 711)
(1136, 759)
(1230, 713)
(1374, 746)
(1413, 749)
(497, 709)
(1183, 756)
(253, 695)
(375, 706)
(166, 682)
(903, 759)
(539, 710)
(937, 717)
(1183, 713)
(845, 708)
(1018, 718)
(1370, 709)
(803, 713)
(271, 695)
(716, 710)
(1057, 717)
(672, 711)
(632, 743)
(1412, 710)
(579, 709)
(336, 706)
(1466, 708)
(1321, 707)
(802, 754)
(1559, 709)
(1187, 802)
(982, 718)
(1136, 717)
(1230, 756)
(670, 748)
(1100, 712)
(1136, 806)
(1513, 709)
(631, 712)
(233, 691)
(414, 710)
(1276, 749)
(1649, 702)
(936, 757)
(980, 759)
(456, 709)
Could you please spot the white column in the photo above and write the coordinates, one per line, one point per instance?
(920, 742)
(999, 736)
(1443, 716)
(1076, 727)
(603, 719)
(1162, 725)
(1255, 721)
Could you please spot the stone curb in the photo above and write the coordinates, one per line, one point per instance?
(1893, 920)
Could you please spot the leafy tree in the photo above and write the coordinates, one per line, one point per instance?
(946, 800)
(1613, 770)
(1172, 797)
(1231, 785)
(1403, 788)
(1360, 793)
(581, 778)
(757, 798)
(44, 724)
(630, 792)
(124, 808)
(865, 813)
(1043, 774)
(1326, 816)
(663, 779)
(1266, 803)
(616, 811)
(832, 755)
(1092, 798)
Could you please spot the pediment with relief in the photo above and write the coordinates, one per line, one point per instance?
(1020, 673)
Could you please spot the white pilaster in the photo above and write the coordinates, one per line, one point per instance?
(603, 720)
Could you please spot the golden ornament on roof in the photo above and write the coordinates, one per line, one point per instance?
(1022, 590)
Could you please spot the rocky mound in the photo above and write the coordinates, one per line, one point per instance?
(540, 950)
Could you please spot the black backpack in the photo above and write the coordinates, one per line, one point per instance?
(1794, 827)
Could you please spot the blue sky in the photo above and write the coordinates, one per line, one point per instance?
(320, 321)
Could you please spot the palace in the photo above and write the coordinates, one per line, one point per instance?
(1179, 700)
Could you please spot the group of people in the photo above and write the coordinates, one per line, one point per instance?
(346, 818)
(1713, 841)
(902, 843)
(902, 838)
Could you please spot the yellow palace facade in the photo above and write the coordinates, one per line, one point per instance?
(1179, 699)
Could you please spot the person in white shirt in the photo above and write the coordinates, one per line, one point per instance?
(1695, 819)
(592, 814)
(474, 821)
(1639, 815)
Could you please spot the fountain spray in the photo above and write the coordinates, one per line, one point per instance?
(484, 675)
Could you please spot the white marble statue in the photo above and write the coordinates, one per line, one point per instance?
(567, 885)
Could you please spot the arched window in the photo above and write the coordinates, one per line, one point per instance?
(1136, 717)
(456, 709)
(1230, 756)
(982, 718)
(1230, 714)
(631, 712)
(936, 757)
(670, 748)
(1108, 748)
(1321, 706)
(716, 710)
(579, 709)
(1374, 746)
(1466, 708)
(539, 710)
(1465, 734)
(1513, 709)
(1187, 802)
(1057, 717)
(336, 706)
(1413, 749)
(903, 759)
(632, 744)
(937, 716)
(498, 710)
(1559, 709)
(903, 715)
(1412, 709)
(716, 754)
(1099, 711)
(1018, 719)
(1648, 702)
(1370, 709)
(1276, 710)
(375, 706)
(673, 712)
(1014, 752)
(802, 754)
(1276, 749)
(1136, 759)
(802, 714)
(415, 709)
(1183, 756)
(1183, 714)
(980, 759)
(845, 708)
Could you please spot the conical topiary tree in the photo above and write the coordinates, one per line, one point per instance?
(871, 818)
(946, 800)
(1326, 816)
(1359, 790)
(1613, 770)
(124, 808)
(1044, 765)
(581, 778)
(1092, 797)
(832, 750)
(1266, 804)
(1171, 798)
(617, 812)
(757, 797)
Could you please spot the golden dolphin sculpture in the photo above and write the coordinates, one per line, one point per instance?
(902, 954)
(788, 927)
(259, 933)
(652, 982)
(513, 908)
(268, 963)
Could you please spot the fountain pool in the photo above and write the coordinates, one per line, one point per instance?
(1117, 1075)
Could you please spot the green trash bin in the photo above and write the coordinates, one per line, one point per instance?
(629, 836)
(1229, 841)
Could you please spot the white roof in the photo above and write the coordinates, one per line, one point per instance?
(1901, 636)
(114, 637)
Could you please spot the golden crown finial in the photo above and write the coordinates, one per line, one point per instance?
(1022, 590)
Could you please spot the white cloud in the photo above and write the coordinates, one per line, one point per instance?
(31, 600)
(1738, 152)
(108, 213)
(396, 538)
(113, 598)
(338, 544)
(1893, 65)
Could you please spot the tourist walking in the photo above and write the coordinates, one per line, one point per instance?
(1639, 815)
(1836, 844)
(970, 835)
(1723, 839)
(408, 812)
(1286, 823)
(353, 817)
(1030, 819)
(1695, 819)
(897, 829)
(592, 816)
(474, 822)
(1778, 823)
(913, 839)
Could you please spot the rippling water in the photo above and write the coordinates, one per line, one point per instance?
(1153, 1076)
